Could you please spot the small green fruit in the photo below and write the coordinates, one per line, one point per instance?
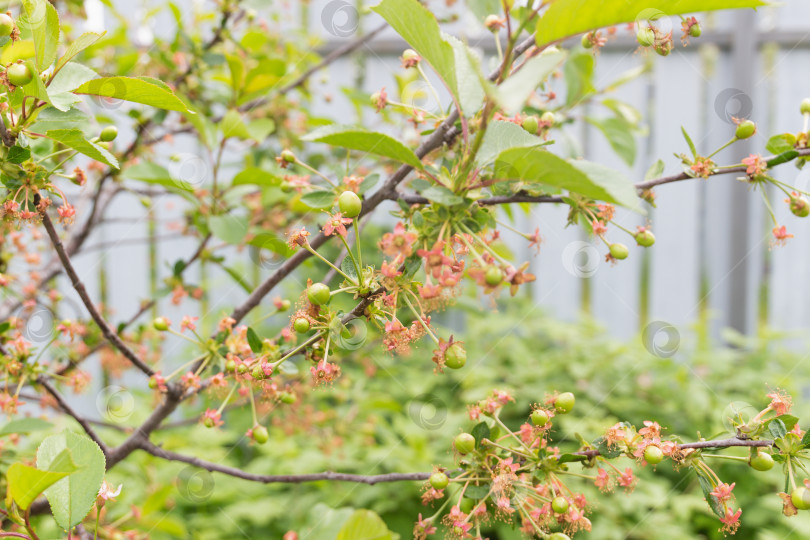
(646, 37)
(762, 461)
(19, 74)
(695, 30)
(559, 536)
(439, 480)
(284, 305)
(301, 325)
(6, 25)
(464, 443)
(804, 108)
(565, 402)
(799, 206)
(548, 118)
(530, 124)
(230, 366)
(161, 324)
(745, 130)
(208, 422)
(586, 41)
(455, 356)
(645, 238)
(108, 134)
(559, 505)
(619, 251)
(288, 156)
(409, 55)
(288, 398)
(800, 498)
(350, 204)
(663, 47)
(539, 417)
(319, 294)
(653, 455)
(466, 505)
(260, 434)
(493, 276)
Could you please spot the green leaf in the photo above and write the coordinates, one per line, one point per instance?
(477, 492)
(480, 432)
(74, 138)
(364, 525)
(448, 57)
(500, 136)
(43, 21)
(618, 133)
(152, 173)
(441, 195)
(358, 138)
(689, 142)
(233, 126)
(319, 200)
(578, 176)
(607, 450)
(237, 277)
(256, 177)
(784, 157)
(568, 458)
(254, 341)
(655, 170)
(135, 90)
(512, 94)
(26, 483)
(76, 46)
(347, 265)
(72, 498)
(776, 428)
(53, 118)
(70, 77)
(707, 488)
(779, 144)
(805, 442)
(25, 425)
(231, 229)
(17, 154)
(578, 72)
(566, 18)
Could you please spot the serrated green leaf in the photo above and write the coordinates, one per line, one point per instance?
(779, 144)
(364, 525)
(319, 200)
(25, 425)
(578, 72)
(43, 21)
(75, 139)
(477, 493)
(619, 135)
(76, 46)
(17, 154)
(254, 341)
(358, 138)
(566, 18)
(231, 229)
(442, 195)
(480, 432)
(256, 177)
(135, 90)
(152, 173)
(500, 136)
(70, 77)
(26, 483)
(71, 498)
(776, 428)
(512, 94)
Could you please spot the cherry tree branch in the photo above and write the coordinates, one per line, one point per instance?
(283, 478)
(108, 332)
(702, 445)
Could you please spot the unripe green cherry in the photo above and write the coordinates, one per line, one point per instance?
(257, 372)
(548, 118)
(530, 124)
(410, 55)
(455, 356)
(695, 30)
(619, 251)
(804, 108)
(230, 366)
(493, 276)
(645, 238)
(559, 505)
(208, 422)
(6, 25)
(108, 134)
(439, 480)
(161, 323)
(799, 206)
(241, 369)
(800, 498)
(586, 41)
(19, 74)
(350, 204)
(260, 434)
(762, 461)
(745, 130)
(539, 417)
(663, 47)
(301, 325)
(288, 398)
(646, 37)
(288, 156)
(565, 402)
(559, 536)
(464, 443)
(466, 505)
(284, 305)
(653, 455)
(153, 383)
(319, 294)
